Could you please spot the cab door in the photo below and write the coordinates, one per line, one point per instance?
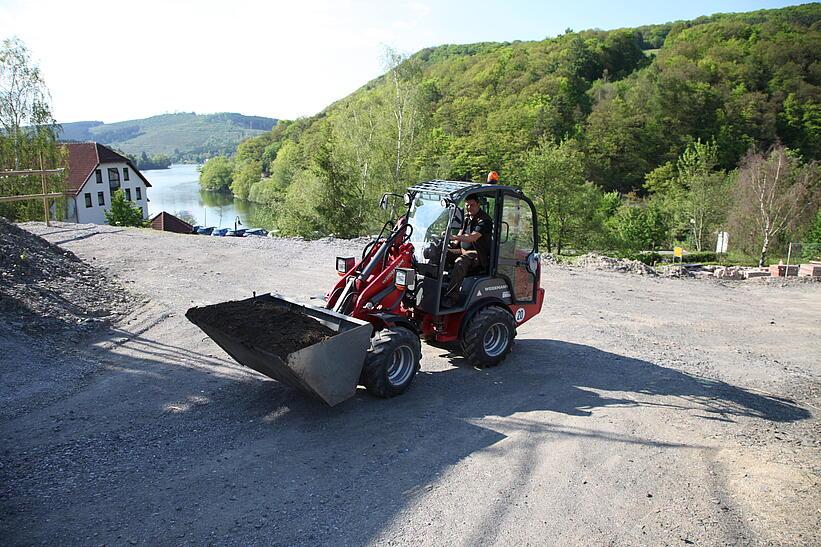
(517, 241)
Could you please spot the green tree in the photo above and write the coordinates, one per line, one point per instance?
(773, 193)
(245, 175)
(637, 226)
(24, 98)
(216, 174)
(812, 241)
(554, 176)
(296, 214)
(28, 133)
(730, 81)
(335, 202)
(705, 189)
(403, 122)
(123, 212)
(286, 165)
(667, 194)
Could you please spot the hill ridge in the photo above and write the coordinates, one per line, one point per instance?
(184, 136)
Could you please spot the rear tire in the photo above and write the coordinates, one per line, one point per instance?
(488, 337)
(391, 362)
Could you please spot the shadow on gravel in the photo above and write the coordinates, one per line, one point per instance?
(177, 442)
(570, 371)
(83, 236)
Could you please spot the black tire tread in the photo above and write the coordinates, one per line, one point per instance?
(374, 373)
(472, 341)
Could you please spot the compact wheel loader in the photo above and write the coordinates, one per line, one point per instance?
(390, 298)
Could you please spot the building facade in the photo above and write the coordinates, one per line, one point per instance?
(95, 172)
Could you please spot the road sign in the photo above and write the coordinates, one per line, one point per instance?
(677, 252)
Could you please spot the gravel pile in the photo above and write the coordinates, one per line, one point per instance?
(46, 289)
(593, 261)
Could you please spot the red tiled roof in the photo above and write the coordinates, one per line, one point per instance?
(167, 222)
(83, 159)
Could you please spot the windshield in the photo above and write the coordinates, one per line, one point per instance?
(429, 220)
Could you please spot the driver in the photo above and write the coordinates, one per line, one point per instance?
(468, 249)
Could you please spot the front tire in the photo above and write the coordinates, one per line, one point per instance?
(391, 362)
(488, 337)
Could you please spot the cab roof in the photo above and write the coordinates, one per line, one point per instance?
(457, 190)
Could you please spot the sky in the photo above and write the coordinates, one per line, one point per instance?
(116, 60)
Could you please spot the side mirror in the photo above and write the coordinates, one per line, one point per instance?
(533, 262)
(383, 203)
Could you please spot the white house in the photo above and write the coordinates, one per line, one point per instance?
(94, 173)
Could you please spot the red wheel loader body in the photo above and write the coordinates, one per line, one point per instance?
(391, 296)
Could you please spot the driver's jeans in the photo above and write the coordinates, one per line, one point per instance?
(459, 262)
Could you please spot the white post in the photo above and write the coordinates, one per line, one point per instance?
(789, 253)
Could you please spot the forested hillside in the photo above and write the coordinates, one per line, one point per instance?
(184, 136)
(629, 139)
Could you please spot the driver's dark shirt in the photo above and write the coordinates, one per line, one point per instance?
(484, 225)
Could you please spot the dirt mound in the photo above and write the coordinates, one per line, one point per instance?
(44, 288)
(593, 261)
(263, 325)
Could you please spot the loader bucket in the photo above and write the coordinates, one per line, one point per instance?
(315, 350)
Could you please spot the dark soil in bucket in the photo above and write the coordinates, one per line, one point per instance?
(264, 325)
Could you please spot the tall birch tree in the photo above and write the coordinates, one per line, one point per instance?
(774, 192)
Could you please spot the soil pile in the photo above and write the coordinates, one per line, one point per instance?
(264, 325)
(593, 261)
(46, 289)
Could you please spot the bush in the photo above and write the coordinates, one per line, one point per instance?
(704, 256)
(123, 212)
(647, 258)
(812, 242)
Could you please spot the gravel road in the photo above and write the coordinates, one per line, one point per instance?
(633, 410)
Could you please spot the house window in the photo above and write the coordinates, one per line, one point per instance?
(139, 193)
(99, 175)
(125, 173)
(128, 194)
(113, 177)
(88, 200)
(100, 198)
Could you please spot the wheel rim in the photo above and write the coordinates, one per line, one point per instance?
(496, 339)
(401, 366)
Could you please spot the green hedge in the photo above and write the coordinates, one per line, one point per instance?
(704, 256)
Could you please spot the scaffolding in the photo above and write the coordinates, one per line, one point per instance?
(44, 195)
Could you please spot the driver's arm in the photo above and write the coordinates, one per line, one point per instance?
(483, 226)
(466, 238)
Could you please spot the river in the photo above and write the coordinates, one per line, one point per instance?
(177, 191)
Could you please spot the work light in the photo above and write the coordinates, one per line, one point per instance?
(405, 278)
(345, 263)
